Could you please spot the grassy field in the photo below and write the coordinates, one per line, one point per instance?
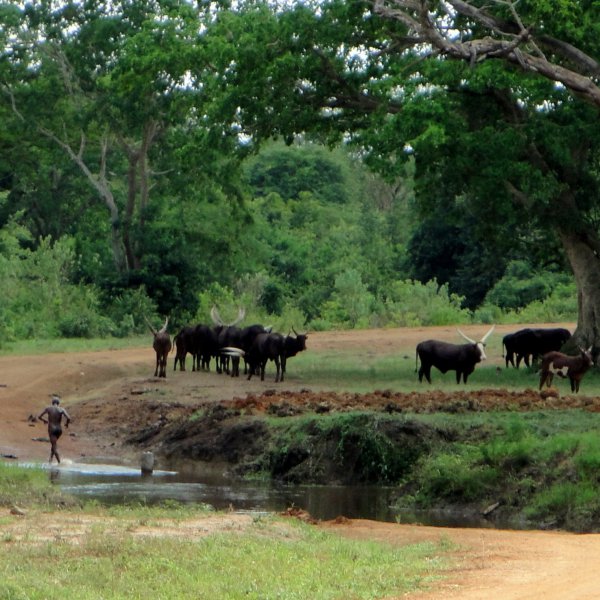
(171, 552)
(359, 372)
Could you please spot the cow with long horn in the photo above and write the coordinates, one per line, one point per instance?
(227, 334)
(162, 346)
(444, 356)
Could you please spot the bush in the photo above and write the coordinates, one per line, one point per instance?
(129, 310)
(411, 303)
(521, 285)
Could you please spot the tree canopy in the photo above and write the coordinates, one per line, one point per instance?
(143, 131)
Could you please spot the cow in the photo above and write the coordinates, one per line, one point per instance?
(162, 346)
(184, 342)
(577, 367)
(530, 343)
(227, 336)
(206, 343)
(509, 347)
(270, 346)
(444, 356)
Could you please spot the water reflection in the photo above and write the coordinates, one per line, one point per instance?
(121, 484)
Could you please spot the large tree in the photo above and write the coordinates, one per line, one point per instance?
(117, 88)
(513, 142)
(556, 41)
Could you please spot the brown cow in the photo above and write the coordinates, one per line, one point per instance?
(577, 367)
(162, 346)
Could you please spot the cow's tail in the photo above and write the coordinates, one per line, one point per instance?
(416, 360)
(175, 342)
(503, 348)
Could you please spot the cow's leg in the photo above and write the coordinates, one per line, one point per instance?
(574, 384)
(425, 370)
(263, 366)
(157, 365)
(283, 360)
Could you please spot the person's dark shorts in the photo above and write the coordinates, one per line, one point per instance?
(55, 431)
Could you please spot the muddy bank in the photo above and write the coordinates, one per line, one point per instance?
(346, 439)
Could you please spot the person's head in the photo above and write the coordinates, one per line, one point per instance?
(55, 399)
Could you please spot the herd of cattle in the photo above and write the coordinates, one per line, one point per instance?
(227, 344)
(524, 345)
(257, 344)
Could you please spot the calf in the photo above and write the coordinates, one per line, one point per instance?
(162, 346)
(577, 367)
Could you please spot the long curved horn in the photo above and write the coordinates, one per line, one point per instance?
(149, 325)
(164, 327)
(240, 317)
(487, 335)
(215, 316)
(466, 338)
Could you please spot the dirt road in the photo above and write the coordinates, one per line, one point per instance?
(503, 565)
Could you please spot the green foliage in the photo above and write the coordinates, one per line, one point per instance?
(560, 305)
(448, 477)
(127, 311)
(170, 99)
(291, 171)
(521, 285)
(351, 303)
(411, 303)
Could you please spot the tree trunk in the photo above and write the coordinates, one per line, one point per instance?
(585, 263)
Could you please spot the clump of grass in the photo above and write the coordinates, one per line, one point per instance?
(29, 487)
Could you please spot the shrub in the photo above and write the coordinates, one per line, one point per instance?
(411, 303)
(454, 478)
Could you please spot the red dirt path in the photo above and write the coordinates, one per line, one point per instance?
(97, 387)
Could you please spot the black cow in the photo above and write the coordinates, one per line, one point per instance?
(207, 346)
(529, 344)
(184, 342)
(246, 339)
(444, 356)
(275, 347)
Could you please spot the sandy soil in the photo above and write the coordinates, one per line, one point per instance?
(493, 564)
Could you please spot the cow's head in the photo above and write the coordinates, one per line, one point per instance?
(587, 355)
(480, 345)
(299, 342)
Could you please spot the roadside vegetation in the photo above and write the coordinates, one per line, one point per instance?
(90, 552)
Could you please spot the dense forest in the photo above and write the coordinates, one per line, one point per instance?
(305, 162)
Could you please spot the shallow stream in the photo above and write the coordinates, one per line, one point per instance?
(205, 484)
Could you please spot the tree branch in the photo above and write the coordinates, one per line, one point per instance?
(509, 40)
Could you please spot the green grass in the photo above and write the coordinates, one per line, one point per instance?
(361, 372)
(26, 487)
(40, 346)
(269, 560)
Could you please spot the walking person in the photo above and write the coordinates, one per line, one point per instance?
(55, 414)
